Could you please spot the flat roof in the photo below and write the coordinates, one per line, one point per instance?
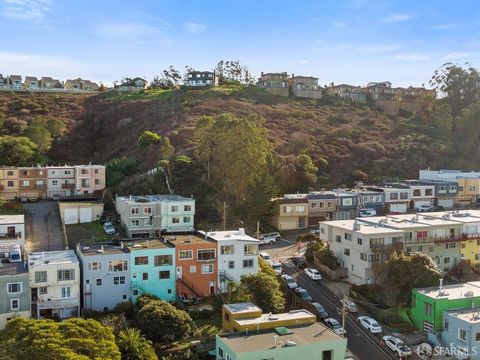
(471, 316)
(132, 199)
(9, 269)
(365, 228)
(268, 318)
(453, 292)
(146, 244)
(390, 221)
(241, 308)
(100, 249)
(230, 235)
(178, 239)
(462, 216)
(52, 257)
(300, 335)
(425, 219)
(12, 219)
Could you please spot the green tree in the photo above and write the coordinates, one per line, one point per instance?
(169, 79)
(232, 72)
(266, 268)
(17, 151)
(166, 149)
(73, 339)
(56, 127)
(148, 138)
(117, 169)
(325, 256)
(14, 126)
(40, 136)
(263, 290)
(467, 126)
(161, 322)
(134, 346)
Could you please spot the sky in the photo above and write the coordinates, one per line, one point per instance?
(352, 41)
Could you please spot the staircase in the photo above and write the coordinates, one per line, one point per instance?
(225, 280)
(189, 285)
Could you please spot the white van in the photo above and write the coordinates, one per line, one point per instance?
(269, 238)
(277, 266)
(266, 257)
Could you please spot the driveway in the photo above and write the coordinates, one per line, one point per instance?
(43, 226)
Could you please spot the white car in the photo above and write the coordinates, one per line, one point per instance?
(370, 324)
(313, 274)
(335, 326)
(277, 266)
(266, 257)
(367, 212)
(291, 283)
(423, 208)
(269, 238)
(350, 306)
(397, 346)
(109, 228)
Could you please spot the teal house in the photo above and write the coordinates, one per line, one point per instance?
(306, 342)
(152, 269)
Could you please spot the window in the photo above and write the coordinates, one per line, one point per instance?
(231, 264)
(175, 220)
(99, 282)
(472, 188)
(363, 256)
(162, 275)
(187, 219)
(427, 309)
(85, 183)
(346, 252)
(135, 222)
(141, 260)
(446, 260)
(206, 255)
(162, 260)
(66, 275)
(445, 324)
(25, 183)
(135, 211)
(404, 195)
(348, 236)
(300, 208)
(220, 352)
(417, 192)
(145, 276)
(54, 182)
(119, 280)
(460, 188)
(42, 290)
(207, 269)
(287, 209)
(147, 210)
(338, 238)
(428, 192)
(10, 183)
(462, 334)
(477, 336)
(13, 288)
(185, 254)
(313, 205)
(227, 249)
(250, 249)
(84, 171)
(248, 263)
(193, 269)
(148, 222)
(94, 266)
(174, 208)
(97, 181)
(14, 304)
(40, 277)
(327, 355)
(393, 196)
(66, 292)
(187, 208)
(118, 265)
(450, 246)
(359, 241)
(10, 173)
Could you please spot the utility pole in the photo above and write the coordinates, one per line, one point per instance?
(258, 230)
(344, 313)
(224, 215)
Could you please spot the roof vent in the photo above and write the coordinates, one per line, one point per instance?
(468, 293)
(290, 343)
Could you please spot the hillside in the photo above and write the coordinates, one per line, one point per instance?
(101, 127)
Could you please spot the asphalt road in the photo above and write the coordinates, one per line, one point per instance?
(43, 227)
(361, 342)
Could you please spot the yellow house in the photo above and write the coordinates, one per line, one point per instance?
(291, 212)
(248, 317)
(468, 190)
(8, 183)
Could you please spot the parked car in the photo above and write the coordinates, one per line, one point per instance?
(56, 197)
(291, 283)
(315, 231)
(397, 346)
(313, 274)
(370, 324)
(424, 207)
(269, 238)
(277, 266)
(335, 326)
(367, 212)
(299, 261)
(303, 294)
(109, 228)
(23, 199)
(350, 306)
(320, 310)
(265, 256)
(33, 198)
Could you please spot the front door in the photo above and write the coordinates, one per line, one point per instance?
(211, 286)
(11, 231)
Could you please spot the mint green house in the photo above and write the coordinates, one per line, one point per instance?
(314, 341)
(428, 304)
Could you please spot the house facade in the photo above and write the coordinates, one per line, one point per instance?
(4, 83)
(135, 85)
(397, 197)
(89, 179)
(274, 83)
(54, 281)
(305, 87)
(346, 205)
(12, 232)
(152, 215)
(202, 79)
(370, 200)
(48, 83)
(31, 83)
(60, 181)
(321, 206)
(461, 332)
(16, 82)
(291, 212)
(9, 186)
(32, 182)
(14, 292)
(348, 92)
(106, 276)
(422, 193)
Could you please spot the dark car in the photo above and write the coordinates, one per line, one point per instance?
(299, 262)
(320, 310)
(303, 294)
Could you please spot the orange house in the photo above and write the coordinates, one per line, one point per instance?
(197, 267)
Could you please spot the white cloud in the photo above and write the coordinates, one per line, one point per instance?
(395, 18)
(457, 56)
(193, 27)
(35, 10)
(446, 26)
(412, 57)
(127, 30)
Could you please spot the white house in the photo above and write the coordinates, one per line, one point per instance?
(397, 197)
(423, 193)
(54, 279)
(12, 232)
(60, 181)
(237, 255)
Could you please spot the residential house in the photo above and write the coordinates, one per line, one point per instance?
(369, 199)
(429, 304)
(291, 212)
(79, 212)
(47, 83)
(321, 206)
(60, 181)
(89, 179)
(346, 205)
(305, 87)
(135, 85)
(14, 292)
(152, 264)
(202, 79)
(16, 82)
(9, 187)
(89, 86)
(32, 182)
(349, 92)
(445, 192)
(360, 247)
(461, 332)
(12, 232)
(74, 85)
(397, 197)
(4, 82)
(106, 276)
(237, 255)
(385, 97)
(151, 215)
(411, 98)
(197, 264)
(423, 193)
(31, 83)
(301, 342)
(274, 83)
(54, 280)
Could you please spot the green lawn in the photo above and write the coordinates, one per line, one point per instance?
(87, 233)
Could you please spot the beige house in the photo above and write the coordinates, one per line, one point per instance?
(305, 86)
(49, 83)
(9, 183)
(31, 83)
(89, 178)
(274, 83)
(291, 212)
(350, 92)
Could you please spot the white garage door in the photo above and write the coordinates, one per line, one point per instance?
(71, 216)
(287, 224)
(400, 208)
(446, 203)
(422, 202)
(85, 215)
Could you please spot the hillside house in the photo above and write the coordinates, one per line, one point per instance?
(349, 92)
(201, 79)
(305, 86)
(135, 85)
(47, 83)
(31, 83)
(274, 83)
(16, 82)
(9, 186)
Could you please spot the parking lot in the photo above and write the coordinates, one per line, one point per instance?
(43, 226)
(283, 249)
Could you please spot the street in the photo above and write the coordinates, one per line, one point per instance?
(361, 342)
(43, 226)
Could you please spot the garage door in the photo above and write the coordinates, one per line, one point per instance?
(422, 202)
(287, 224)
(85, 215)
(71, 216)
(401, 208)
(446, 203)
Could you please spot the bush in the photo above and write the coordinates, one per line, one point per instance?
(126, 308)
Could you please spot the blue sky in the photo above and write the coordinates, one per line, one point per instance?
(353, 41)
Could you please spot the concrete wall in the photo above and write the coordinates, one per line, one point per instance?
(389, 107)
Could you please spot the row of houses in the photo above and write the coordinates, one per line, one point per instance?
(41, 182)
(45, 83)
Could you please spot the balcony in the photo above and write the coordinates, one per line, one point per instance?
(10, 236)
(379, 248)
(54, 304)
(446, 239)
(471, 236)
(68, 186)
(39, 186)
